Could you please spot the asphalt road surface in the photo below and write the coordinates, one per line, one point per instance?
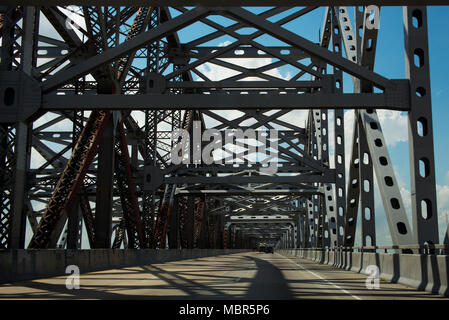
(248, 275)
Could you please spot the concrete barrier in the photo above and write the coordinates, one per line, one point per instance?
(20, 264)
(423, 272)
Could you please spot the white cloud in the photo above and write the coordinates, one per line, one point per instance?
(405, 192)
(443, 198)
(443, 209)
(383, 235)
(296, 117)
(349, 119)
(394, 126)
(36, 159)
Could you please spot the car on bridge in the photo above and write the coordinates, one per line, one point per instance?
(269, 249)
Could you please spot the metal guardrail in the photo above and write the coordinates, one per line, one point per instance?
(441, 249)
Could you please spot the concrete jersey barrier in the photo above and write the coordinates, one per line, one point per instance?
(20, 264)
(423, 272)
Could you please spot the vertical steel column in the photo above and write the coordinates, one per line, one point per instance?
(126, 188)
(189, 224)
(232, 237)
(212, 231)
(353, 192)
(361, 48)
(105, 179)
(366, 49)
(422, 163)
(6, 182)
(388, 186)
(306, 227)
(7, 135)
(149, 197)
(293, 235)
(314, 201)
(89, 219)
(339, 139)
(23, 132)
(18, 218)
(321, 223)
(311, 223)
(308, 201)
(8, 36)
(180, 202)
(75, 222)
(198, 219)
(326, 208)
(74, 232)
(173, 229)
(150, 156)
(351, 43)
(301, 231)
(225, 236)
(205, 230)
(359, 25)
(366, 185)
(83, 200)
(219, 228)
(239, 237)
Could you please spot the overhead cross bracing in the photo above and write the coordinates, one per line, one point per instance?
(92, 96)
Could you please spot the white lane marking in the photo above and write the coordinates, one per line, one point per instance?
(320, 277)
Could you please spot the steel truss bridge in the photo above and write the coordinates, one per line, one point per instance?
(90, 95)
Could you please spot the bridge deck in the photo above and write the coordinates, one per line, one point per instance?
(248, 275)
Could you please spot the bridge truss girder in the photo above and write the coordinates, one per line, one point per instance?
(129, 64)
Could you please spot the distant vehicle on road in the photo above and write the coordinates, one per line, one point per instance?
(269, 249)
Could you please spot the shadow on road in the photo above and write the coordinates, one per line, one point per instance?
(269, 283)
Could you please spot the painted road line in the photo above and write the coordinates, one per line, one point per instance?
(320, 277)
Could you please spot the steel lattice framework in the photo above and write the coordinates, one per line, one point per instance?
(94, 93)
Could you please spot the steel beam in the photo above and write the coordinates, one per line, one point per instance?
(397, 99)
(74, 226)
(190, 223)
(131, 45)
(339, 133)
(174, 226)
(138, 48)
(401, 233)
(23, 136)
(311, 48)
(366, 189)
(353, 191)
(421, 146)
(105, 179)
(70, 180)
(232, 3)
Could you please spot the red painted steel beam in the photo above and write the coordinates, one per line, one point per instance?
(199, 214)
(131, 192)
(88, 217)
(71, 179)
